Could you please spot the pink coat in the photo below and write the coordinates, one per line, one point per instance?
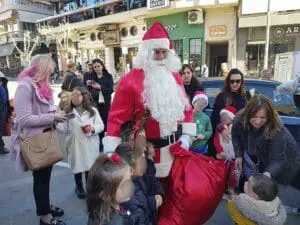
(32, 117)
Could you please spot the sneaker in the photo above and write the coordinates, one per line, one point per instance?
(53, 222)
(80, 193)
(4, 151)
(56, 212)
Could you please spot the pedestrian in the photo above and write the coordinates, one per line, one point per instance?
(224, 70)
(259, 204)
(82, 141)
(202, 121)
(109, 184)
(263, 145)
(100, 84)
(191, 83)
(36, 114)
(5, 111)
(71, 80)
(224, 147)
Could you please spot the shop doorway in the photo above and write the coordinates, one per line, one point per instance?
(218, 53)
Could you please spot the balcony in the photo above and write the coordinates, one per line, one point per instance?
(26, 6)
(81, 14)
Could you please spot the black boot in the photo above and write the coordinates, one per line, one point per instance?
(79, 190)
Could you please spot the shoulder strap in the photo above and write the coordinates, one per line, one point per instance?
(69, 87)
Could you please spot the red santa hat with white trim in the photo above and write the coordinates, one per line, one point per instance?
(200, 95)
(157, 37)
(230, 111)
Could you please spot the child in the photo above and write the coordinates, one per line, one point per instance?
(148, 192)
(259, 204)
(82, 142)
(202, 121)
(223, 144)
(109, 184)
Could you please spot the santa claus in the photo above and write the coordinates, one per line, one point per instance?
(155, 86)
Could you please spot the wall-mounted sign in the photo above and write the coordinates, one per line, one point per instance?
(109, 27)
(286, 31)
(157, 4)
(218, 31)
(111, 38)
(170, 27)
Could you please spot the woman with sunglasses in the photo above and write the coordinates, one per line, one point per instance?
(100, 84)
(234, 93)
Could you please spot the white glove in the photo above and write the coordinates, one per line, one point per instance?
(185, 141)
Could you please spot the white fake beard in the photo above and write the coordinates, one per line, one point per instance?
(162, 95)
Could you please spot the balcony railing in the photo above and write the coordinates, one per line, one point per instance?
(88, 13)
(27, 6)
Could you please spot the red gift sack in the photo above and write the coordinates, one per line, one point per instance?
(195, 187)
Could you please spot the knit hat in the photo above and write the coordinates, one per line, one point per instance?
(230, 111)
(200, 95)
(157, 37)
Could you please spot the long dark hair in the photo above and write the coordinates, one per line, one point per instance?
(227, 90)
(104, 179)
(104, 70)
(86, 101)
(258, 102)
(194, 80)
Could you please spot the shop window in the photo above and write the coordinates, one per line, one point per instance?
(178, 47)
(195, 55)
(124, 32)
(29, 27)
(133, 30)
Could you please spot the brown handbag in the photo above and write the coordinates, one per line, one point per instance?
(41, 151)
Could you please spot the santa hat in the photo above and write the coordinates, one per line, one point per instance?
(200, 95)
(157, 37)
(229, 110)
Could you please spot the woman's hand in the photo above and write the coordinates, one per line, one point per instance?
(239, 163)
(59, 117)
(96, 86)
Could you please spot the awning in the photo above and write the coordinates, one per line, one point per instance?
(30, 17)
(6, 49)
(6, 15)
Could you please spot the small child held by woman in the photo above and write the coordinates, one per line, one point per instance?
(82, 142)
(259, 204)
(202, 121)
(224, 147)
(109, 184)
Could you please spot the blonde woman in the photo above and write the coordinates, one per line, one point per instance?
(34, 115)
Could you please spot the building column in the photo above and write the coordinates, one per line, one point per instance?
(110, 60)
(7, 61)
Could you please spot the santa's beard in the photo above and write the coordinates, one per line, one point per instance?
(162, 95)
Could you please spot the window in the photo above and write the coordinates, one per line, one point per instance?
(195, 55)
(29, 27)
(178, 47)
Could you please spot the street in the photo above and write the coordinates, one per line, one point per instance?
(17, 205)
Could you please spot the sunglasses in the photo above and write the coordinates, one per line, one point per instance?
(235, 81)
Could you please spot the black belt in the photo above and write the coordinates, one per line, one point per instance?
(171, 139)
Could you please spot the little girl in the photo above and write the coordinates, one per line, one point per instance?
(82, 142)
(109, 184)
(202, 121)
(223, 144)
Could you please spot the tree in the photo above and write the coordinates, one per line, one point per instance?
(30, 42)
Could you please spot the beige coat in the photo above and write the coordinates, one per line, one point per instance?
(82, 149)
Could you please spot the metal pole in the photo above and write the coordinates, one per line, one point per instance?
(267, 39)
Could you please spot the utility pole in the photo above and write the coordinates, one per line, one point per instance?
(267, 39)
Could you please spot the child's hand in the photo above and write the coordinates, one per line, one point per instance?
(159, 200)
(221, 155)
(226, 134)
(87, 129)
(200, 137)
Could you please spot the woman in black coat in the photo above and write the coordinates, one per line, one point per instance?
(263, 145)
(191, 84)
(100, 83)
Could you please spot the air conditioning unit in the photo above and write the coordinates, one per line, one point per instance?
(195, 17)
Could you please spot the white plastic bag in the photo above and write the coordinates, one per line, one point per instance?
(289, 87)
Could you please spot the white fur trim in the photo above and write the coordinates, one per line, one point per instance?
(110, 143)
(198, 97)
(189, 128)
(163, 168)
(225, 111)
(156, 43)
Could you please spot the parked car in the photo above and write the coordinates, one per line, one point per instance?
(289, 114)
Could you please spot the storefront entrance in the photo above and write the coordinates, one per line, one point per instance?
(218, 53)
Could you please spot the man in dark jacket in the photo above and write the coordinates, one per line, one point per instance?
(71, 80)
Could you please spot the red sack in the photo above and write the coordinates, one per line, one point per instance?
(195, 187)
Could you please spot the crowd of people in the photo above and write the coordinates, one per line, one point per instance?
(152, 155)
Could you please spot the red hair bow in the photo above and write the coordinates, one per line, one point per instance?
(115, 158)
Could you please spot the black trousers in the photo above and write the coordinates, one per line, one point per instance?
(41, 189)
(2, 145)
(78, 179)
(103, 111)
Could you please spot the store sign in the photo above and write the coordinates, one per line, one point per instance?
(157, 4)
(286, 31)
(111, 38)
(218, 31)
